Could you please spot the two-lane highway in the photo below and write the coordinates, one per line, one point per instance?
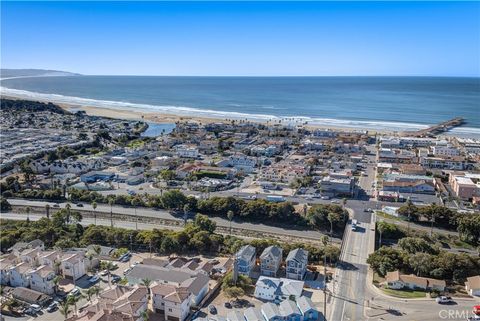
(349, 284)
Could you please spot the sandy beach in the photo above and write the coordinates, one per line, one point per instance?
(164, 118)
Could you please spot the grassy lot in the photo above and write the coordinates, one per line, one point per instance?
(385, 215)
(404, 294)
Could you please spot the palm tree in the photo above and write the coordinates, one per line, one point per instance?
(27, 210)
(332, 217)
(47, 210)
(109, 267)
(73, 300)
(94, 206)
(145, 315)
(68, 207)
(65, 309)
(56, 281)
(147, 282)
(230, 215)
(110, 202)
(381, 227)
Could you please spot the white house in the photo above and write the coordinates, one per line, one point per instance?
(473, 285)
(395, 280)
(170, 300)
(5, 266)
(186, 151)
(41, 279)
(73, 265)
(19, 276)
(277, 289)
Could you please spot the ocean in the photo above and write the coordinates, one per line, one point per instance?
(391, 103)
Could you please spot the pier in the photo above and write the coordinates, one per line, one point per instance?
(438, 128)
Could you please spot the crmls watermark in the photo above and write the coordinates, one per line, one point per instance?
(454, 314)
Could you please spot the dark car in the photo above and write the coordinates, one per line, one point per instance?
(228, 305)
(116, 278)
(56, 205)
(52, 307)
(79, 205)
(212, 309)
(31, 312)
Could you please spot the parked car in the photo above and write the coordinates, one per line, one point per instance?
(104, 272)
(52, 307)
(228, 305)
(94, 279)
(79, 205)
(116, 278)
(212, 309)
(444, 299)
(125, 272)
(74, 292)
(31, 312)
(56, 205)
(36, 307)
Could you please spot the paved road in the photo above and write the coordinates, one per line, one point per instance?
(348, 287)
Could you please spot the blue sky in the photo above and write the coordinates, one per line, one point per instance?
(248, 38)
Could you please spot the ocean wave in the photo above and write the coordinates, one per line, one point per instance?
(210, 113)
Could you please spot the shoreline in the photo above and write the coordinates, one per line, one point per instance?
(114, 110)
(165, 118)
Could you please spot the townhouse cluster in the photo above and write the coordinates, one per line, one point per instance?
(29, 265)
(300, 310)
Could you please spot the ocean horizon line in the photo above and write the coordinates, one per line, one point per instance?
(185, 111)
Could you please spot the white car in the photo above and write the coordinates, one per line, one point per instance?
(36, 307)
(74, 292)
(125, 272)
(444, 299)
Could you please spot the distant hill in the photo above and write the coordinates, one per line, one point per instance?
(6, 73)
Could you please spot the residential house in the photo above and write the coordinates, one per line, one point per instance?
(235, 315)
(170, 300)
(277, 289)
(5, 265)
(473, 285)
(73, 265)
(246, 260)
(187, 151)
(271, 312)
(18, 247)
(41, 279)
(196, 282)
(270, 260)
(253, 314)
(296, 264)
(289, 311)
(445, 162)
(416, 187)
(308, 309)
(50, 259)
(395, 280)
(19, 276)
